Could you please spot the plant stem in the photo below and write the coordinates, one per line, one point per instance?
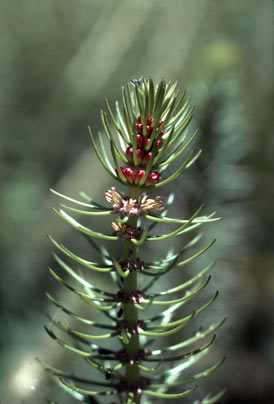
(132, 374)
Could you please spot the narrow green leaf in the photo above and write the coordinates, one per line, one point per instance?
(197, 337)
(177, 172)
(71, 272)
(170, 108)
(121, 176)
(211, 400)
(111, 137)
(85, 263)
(181, 127)
(80, 227)
(185, 355)
(104, 152)
(164, 271)
(79, 318)
(159, 97)
(58, 372)
(185, 284)
(116, 124)
(184, 110)
(167, 396)
(99, 306)
(179, 230)
(99, 155)
(87, 392)
(72, 289)
(179, 108)
(121, 123)
(198, 254)
(86, 336)
(184, 320)
(192, 161)
(150, 370)
(150, 97)
(68, 347)
(140, 105)
(88, 205)
(88, 212)
(169, 332)
(181, 151)
(193, 378)
(201, 219)
(127, 112)
(131, 103)
(188, 296)
(144, 308)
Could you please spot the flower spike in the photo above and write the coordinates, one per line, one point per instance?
(143, 138)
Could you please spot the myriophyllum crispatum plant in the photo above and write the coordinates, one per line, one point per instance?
(131, 358)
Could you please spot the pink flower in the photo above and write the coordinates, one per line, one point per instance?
(114, 197)
(130, 206)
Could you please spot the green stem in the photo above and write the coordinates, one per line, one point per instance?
(132, 374)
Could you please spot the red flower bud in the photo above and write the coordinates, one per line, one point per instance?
(139, 140)
(140, 155)
(153, 178)
(139, 128)
(117, 172)
(146, 158)
(129, 153)
(139, 175)
(150, 120)
(160, 123)
(129, 174)
(159, 143)
(139, 119)
(146, 141)
(149, 129)
(162, 133)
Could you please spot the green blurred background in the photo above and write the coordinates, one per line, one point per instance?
(59, 60)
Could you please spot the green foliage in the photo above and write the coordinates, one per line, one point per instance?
(148, 133)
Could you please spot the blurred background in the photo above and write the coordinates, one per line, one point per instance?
(59, 60)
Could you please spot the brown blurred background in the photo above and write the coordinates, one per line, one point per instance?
(59, 60)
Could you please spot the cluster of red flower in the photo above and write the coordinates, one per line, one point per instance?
(143, 152)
